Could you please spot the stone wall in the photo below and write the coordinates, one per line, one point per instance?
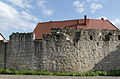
(69, 50)
(65, 50)
(21, 52)
(38, 54)
(2, 54)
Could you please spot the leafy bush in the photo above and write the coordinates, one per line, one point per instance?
(16, 72)
(90, 74)
(45, 73)
(114, 73)
(101, 73)
(1, 70)
(6, 71)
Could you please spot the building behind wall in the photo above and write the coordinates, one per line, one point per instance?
(45, 27)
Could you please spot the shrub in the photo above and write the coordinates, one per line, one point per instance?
(6, 71)
(114, 73)
(90, 74)
(45, 73)
(101, 73)
(16, 72)
(1, 70)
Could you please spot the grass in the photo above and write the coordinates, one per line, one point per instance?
(24, 72)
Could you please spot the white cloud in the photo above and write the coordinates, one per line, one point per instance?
(7, 11)
(92, 4)
(102, 17)
(21, 3)
(42, 4)
(27, 16)
(95, 6)
(92, 1)
(48, 12)
(79, 10)
(11, 19)
(79, 6)
(116, 22)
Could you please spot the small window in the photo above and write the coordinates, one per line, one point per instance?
(91, 38)
(107, 37)
(97, 43)
(100, 37)
(118, 37)
(57, 37)
(20, 38)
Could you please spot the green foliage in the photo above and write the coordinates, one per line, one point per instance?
(1, 70)
(101, 73)
(6, 71)
(16, 72)
(63, 74)
(90, 74)
(30, 72)
(45, 73)
(114, 73)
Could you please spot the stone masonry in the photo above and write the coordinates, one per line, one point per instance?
(65, 50)
(21, 52)
(2, 54)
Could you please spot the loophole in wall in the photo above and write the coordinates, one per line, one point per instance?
(118, 37)
(57, 37)
(107, 37)
(91, 38)
(97, 43)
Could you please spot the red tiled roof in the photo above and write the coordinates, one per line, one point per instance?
(2, 35)
(45, 27)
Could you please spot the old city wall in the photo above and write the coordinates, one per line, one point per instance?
(38, 54)
(2, 54)
(65, 50)
(21, 52)
(69, 50)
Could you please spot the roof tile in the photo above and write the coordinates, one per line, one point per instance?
(43, 28)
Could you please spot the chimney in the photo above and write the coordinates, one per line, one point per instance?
(85, 19)
(102, 18)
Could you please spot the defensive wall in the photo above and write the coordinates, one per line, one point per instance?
(65, 50)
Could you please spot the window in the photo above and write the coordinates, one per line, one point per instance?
(20, 38)
(91, 38)
(107, 37)
(57, 37)
(118, 37)
(97, 43)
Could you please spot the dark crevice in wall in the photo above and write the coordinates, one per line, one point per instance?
(58, 36)
(118, 37)
(107, 37)
(97, 43)
(76, 37)
(5, 55)
(91, 38)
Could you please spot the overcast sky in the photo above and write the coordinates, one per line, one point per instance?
(23, 15)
